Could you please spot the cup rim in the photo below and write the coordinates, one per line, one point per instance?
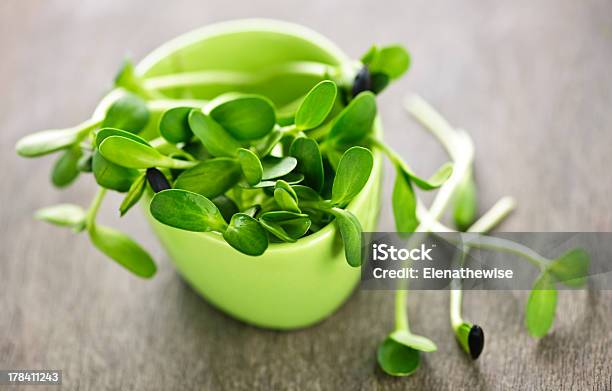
(237, 26)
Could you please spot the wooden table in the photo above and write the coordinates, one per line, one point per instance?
(531, 81)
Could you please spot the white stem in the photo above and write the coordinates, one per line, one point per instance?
(497, 213)
(435, 123)
(508, 246)
(459, 147)
(456, 297)
(485, 223)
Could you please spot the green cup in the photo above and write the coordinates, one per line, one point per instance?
(292, 285)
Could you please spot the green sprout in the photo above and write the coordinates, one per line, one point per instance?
(400, 353)
(471, 336)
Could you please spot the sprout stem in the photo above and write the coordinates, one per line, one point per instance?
(290, 130)
(458, 145)
(401, 314)
(181, 164)
(460, 148)
(88, 125)
(166, 148)
(93, 208)
(392, 155)
(456, 298)
(485, 223)
(436, 124)
(494, 216)
(508, 246)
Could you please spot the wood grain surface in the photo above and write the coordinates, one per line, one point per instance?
(530, 80)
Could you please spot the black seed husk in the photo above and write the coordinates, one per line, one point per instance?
(363, 81)
(476, 341)
(157, 180)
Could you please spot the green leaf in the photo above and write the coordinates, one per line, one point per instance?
(333, 158)
(368, 56)
(285, 201)
(267, 144)
(318, 218)
(48, 141)
(133, 194)
(281, 184)
(329, 172)
(105, 133)
(350, 230)
(355, 122)
(174, 125)
(414, 341)
(133, 154)
(125, 74)
(285, 197)
(119, 247)
(211, 177)
(251, 166)
(226, 206)
(305, 193)
(392, 60)
(246, 235)
(379, 81)
(292, 178)
(65, 215)
(352, 175)
(465, 204)
(246, 117)
(196, 149)
(129, 113)
(541, 306)
(571, 268)
(404, 203)
(309, 161)
(216, 139)
(285, 143)
(316, 106)
(275, 167)
(287, 226)
(435, 181)
(110, 175)
(186, 210)
(66, 168)
(397, 359)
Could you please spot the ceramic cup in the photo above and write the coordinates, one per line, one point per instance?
(292, 285)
